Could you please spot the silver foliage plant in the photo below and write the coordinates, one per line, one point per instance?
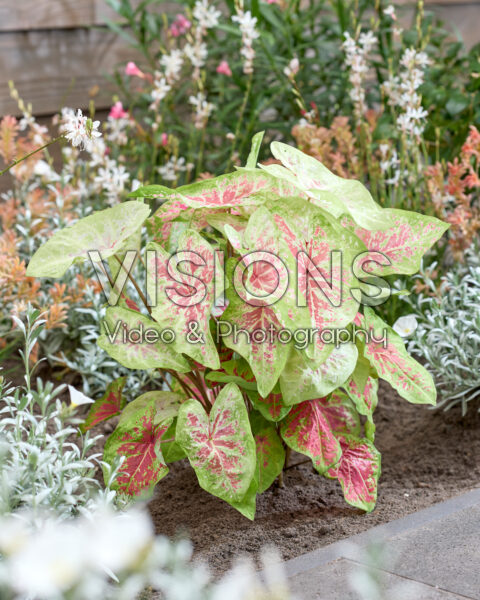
(448, 332)
(41, 465)
(63, 537)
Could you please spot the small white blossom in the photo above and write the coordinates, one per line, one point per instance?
(117, 130)
(173, 167)
(77, 398)
(206, 15)
(203, 109)
(80, 130)
(390, 12)
(196, 53)
(405, 326)
(112, 179)
(247, 25)
(172, 63)
(292, 68)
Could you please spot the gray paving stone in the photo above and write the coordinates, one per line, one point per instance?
(443, 553)
(335, 581)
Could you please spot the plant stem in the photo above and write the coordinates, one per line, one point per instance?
(240, 120)
(135, 284)
(19, 160)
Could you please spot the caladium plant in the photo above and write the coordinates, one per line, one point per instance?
(258, 296)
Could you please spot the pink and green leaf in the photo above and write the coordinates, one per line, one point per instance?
(358, 471)
(408, 236)
(109, 405)
(193, 312)
(138, 437)
(104, 231)
(270, 454)
(299, 381)
(341, 414)
(306, 429)
(393, 363)
(133, 354)
(219, 446)
(272, 407)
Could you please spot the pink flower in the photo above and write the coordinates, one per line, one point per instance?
(164, 138)
(224, 69)
(132, 70)
(117, 111)
(180, 26)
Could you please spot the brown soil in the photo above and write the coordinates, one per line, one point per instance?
(427, 456)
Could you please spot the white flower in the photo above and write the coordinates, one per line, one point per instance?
(80, 130)
(172, 64)
(196, 53)
(356, 56)
(77, 398)
(160, 89)
(43, 170)
(51, 562)
(203, 109)
(405, 326)
(173, 167)
(247, 26)
(390, 12)
(116, 130)
(112, 179)
(206, 15)
(118, 540)
(292, 68)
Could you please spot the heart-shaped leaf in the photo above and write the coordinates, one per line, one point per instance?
(219, 446)
(358, 471)
(183, 299)
(138, 438)
(306, 430)
(104, 231)
(299, 381)
(403, 243)
(125, 339)
(386, 352)
(106, 407)
(270, 453)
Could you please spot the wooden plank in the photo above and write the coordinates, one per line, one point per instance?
(58, 68)
(22, 15)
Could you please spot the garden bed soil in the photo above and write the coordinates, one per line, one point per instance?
(427, 456)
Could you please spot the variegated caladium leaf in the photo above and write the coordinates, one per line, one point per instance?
(226, 191)
(255, 150)
(306, 429)
(183, 298)
(267, 357)
(104, 231)
(323, 257)
(270, 452)
(272, 407)
(358, 471)
(129, 337)
(299, 381)
(407, 238)
(341, 414)
(387, 354)
(351, 194)
(219, 446)
(362, 387)
(109, 405)
(138, 437)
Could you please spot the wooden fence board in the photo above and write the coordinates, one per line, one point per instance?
(23, 15)
(55, 68)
